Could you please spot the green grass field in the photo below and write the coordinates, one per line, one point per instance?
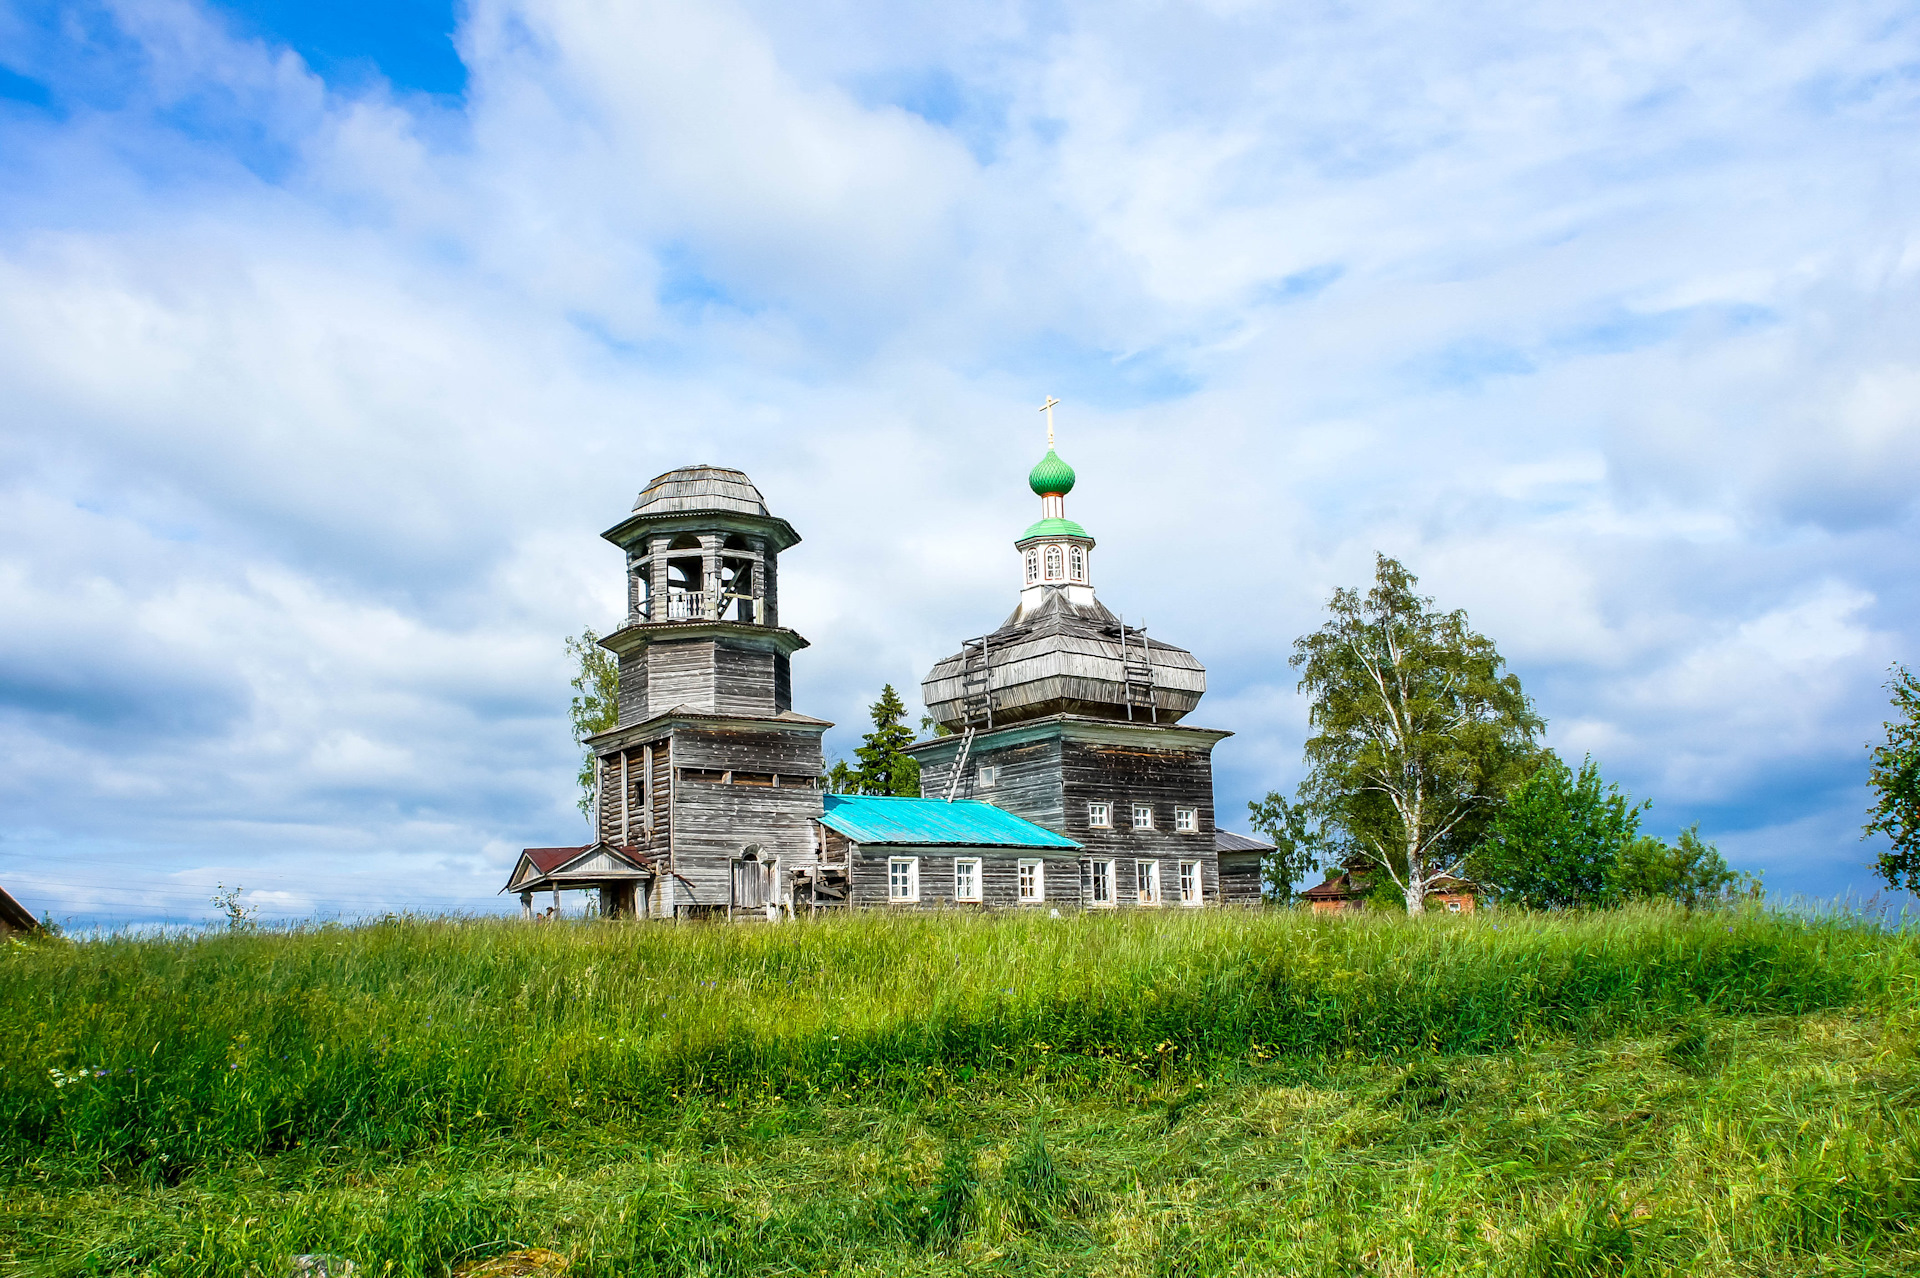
(1639, 1092)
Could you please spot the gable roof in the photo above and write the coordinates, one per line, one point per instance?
(872, 818)
(1228, 841)
(546, 859)
(15, 915)
(1339, 887)
(538, 868)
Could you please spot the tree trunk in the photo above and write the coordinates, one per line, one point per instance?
(1416, 872)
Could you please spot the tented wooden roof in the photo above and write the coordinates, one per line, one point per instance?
(1066, 658)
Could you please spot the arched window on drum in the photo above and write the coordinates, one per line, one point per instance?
(1033, 566)
(1076, 564)
(1053, 563)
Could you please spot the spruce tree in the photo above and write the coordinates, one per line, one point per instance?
(883, 768)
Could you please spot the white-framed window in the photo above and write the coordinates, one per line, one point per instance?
(1143, 816)
(1033, 566)
(1189, 883)
(1076, 563)
(1146, 882)
(1186, 820)
(1102, 883)
(903, 878)
(1033, 880)
(987, 775)
(966, 878)
(1053, 563)
(1453, 907)
(1100, 816)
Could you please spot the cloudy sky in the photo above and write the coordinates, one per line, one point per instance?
(331, 336)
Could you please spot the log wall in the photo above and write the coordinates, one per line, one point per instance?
(1240, 878)
(1121, 776)
(999, 878)
(680, 674)
(732, 788)
(743, 681)
(1051, 780)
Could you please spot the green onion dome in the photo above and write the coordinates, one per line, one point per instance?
(1051, 476)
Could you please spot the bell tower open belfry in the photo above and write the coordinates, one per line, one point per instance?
(1073, 720)
(709, 778)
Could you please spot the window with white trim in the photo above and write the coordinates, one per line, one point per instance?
(1146, 882)
(1143, 816)
(1189, 883)
(966, 878)
(987, 775)
(1033, 566)
(1053, 563)
(1076, 563)
(1033, 881)
(1100, 816)
(1102, 893)
(903, 878)
(1186, 820)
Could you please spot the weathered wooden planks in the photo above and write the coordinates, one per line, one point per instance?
(1051, 771)
(1000, 878)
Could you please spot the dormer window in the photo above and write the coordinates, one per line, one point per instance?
(1053, 563)
(1033, 566)
(1076, 564)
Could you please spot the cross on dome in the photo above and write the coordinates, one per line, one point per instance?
(1052, 477)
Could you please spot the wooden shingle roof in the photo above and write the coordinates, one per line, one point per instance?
(692, 488)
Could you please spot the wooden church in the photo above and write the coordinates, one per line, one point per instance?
(1069, 717)
(1065, 776)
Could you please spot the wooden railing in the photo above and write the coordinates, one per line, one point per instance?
(702, 605)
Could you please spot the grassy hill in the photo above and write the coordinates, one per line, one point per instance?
(1139, 1094)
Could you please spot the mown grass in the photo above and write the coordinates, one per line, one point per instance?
(1172, 1094)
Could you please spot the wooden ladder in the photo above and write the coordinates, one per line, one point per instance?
(976, 705)
(1136, 675)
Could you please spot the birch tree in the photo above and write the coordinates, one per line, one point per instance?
(1418, 730)
(595, 706)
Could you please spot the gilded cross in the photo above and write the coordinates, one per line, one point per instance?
(1047, 408)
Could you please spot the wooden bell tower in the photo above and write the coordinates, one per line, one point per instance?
(709, 775)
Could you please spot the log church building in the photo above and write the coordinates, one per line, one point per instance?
(1063, 774)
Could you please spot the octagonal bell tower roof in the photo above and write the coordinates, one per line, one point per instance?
(691, 488)
(698, 499)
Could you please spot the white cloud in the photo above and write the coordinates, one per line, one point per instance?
(1601, 320)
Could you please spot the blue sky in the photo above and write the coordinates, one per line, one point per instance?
(332, 336)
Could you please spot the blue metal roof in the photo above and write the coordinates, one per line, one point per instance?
(872, 818)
